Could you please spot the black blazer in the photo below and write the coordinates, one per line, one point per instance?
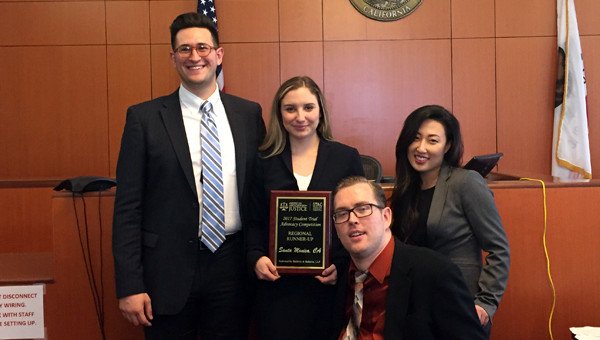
(335, 161)
(427, 299)
(156, 215)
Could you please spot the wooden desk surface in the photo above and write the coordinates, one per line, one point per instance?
(497, 180)
(24, 268)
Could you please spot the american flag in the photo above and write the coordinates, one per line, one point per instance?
(207, 7)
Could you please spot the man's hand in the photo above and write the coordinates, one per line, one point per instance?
(484, 318)
(265, 269)
(328, 276)
(137, 309)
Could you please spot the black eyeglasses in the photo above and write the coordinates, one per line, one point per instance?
(359, 211)
(203, 50)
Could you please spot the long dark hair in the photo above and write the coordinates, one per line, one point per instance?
(407, 190)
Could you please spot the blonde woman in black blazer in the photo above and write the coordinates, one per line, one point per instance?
(298, 154)
(448, 209)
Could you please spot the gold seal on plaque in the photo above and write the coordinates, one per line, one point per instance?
(385, 10)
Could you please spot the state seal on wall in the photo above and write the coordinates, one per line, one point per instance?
(385, 10)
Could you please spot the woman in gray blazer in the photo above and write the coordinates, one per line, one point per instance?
(441, 206)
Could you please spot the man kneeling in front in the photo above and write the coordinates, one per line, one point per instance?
(393, 290)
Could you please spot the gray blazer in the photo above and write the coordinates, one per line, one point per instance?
(463, 220)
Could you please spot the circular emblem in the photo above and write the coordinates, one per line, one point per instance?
(385, 10)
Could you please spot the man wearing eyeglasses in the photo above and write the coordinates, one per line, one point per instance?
(393, 290)
(184, 165)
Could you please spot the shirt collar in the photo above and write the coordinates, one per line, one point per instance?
(380, 268)
(193, 102)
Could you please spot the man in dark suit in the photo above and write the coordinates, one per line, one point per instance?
(407, 292)
(170, 277)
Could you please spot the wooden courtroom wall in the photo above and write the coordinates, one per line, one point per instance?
(69, 70)
(572, 244)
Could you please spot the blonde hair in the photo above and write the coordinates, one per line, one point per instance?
(276, 137)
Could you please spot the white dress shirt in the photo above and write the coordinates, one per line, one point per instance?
(303, 181)
(190, 109)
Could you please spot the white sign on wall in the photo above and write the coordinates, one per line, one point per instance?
(22, 312)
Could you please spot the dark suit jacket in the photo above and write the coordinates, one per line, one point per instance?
(278, 304)
(335, 161)
(156, 216)
(427, 299)
(463, 220)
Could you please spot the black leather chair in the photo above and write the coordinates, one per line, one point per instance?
(372, 168)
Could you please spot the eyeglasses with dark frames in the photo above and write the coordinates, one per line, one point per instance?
(359, 211)
(185, 51)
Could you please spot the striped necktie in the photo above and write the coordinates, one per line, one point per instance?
(213, 201)
(353, 328)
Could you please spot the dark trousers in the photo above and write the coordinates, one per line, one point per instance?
(294, 308)
(217, 305)
(487, 329)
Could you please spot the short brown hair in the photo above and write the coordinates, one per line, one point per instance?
(377, 190)
(193, 19)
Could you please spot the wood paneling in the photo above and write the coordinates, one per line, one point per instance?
(52, 23)
(431, 20)
(128, 83)
(26, 220)
(516, 18)
(127, 22)
(256, 70)
(164, 76)
(51, 0)
(248, 21)
(26, 268)
(591, 60)
(162, 14)
(472, 18)
(302, 58)
(587, 17)
(342, 22)
(300, 20)
(524, 229)
(525, 94)
(54, 112)
(378, 83)
(474, 94)
(575, 266)
(69, 305)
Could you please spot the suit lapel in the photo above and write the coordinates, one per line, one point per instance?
(439, 198)
(398, 294)
(238, 131)
(173, 120)
(339, 319)
(323, 155)
(286, 158)
(320, 164)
